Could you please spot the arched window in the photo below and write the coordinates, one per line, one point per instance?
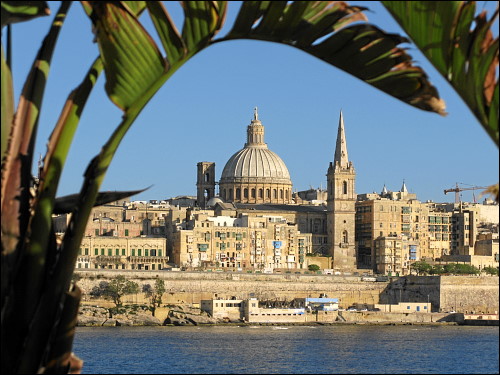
(238, 193)
(345, 237)
(224, 194)
(286, 194)
(231, 194)
(207, 194)
(275, 194)
(281, 193)
(261, 193)
(268, 193)
(245, 193)
(344, 185)
(207, 177)
(253, 193)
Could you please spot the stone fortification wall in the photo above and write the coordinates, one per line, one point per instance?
(479, 294)
(446, 293)
(468, 294)
(192, 287)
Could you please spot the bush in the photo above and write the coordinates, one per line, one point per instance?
(491, 270)
(313, 267)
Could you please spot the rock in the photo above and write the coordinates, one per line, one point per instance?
(145, 320)
(90, 321)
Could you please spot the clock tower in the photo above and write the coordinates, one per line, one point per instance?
(341, 200)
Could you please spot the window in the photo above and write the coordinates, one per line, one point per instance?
(117, 252)
(123, 251)
(97, 232)
(268, 193)
(110, 252)
(345, 238)
(344, 187)
(102, 251)
(281, 194)
(275, 194)
(96, 251)
(139, 252)
(261, 193)
(245, 193)
(238, 193)
(126, 232)
(253, 193)
(146, 252)
(207, 177)
(133, 252)
(86, 251)
(80, 251)
(159, 253)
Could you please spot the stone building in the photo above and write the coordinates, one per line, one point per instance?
(244, 242)
(139, 253)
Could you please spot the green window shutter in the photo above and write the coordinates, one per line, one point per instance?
(97, 232)
(159, 253)
(126, 232)
(86, 251)
(110, 252)
(123, 251)
(133, 252)
(102, 251)
(146, 252)
(117, 251)
(96, 251)
(80, 251)
(139, 252)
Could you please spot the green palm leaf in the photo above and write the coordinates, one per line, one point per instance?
(461, 47)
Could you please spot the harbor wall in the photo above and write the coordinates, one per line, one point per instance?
(478, 294)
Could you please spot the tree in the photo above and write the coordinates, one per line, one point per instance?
(37, 269)
(491, 270)
(118, 287)
(313, 267)
(421, 267)
(154, 294)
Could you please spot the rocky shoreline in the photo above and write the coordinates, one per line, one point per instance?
(182, 315)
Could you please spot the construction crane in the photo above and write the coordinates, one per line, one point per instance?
(458, 189)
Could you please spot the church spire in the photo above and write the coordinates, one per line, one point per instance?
(403, 188)
(341, 147)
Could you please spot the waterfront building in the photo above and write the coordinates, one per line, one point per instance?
(108, 252)
(256, 242)
(251, 219)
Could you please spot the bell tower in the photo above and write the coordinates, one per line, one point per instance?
(341, 200)
(205, 183)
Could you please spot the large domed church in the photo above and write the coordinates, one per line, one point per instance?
(255, 174)
(256, 179)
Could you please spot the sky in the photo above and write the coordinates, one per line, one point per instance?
(202, 112)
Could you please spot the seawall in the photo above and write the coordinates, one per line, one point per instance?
(446, 293)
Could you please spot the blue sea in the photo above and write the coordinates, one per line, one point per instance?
(337, 349)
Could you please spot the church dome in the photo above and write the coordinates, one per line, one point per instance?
(255, 163)
(255, 174)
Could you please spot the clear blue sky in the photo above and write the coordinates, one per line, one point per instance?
(202, 112)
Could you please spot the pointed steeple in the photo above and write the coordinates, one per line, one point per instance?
(384, 190)
(403, 188)
(341, 147)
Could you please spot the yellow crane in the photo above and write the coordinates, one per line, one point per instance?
(458, 189)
